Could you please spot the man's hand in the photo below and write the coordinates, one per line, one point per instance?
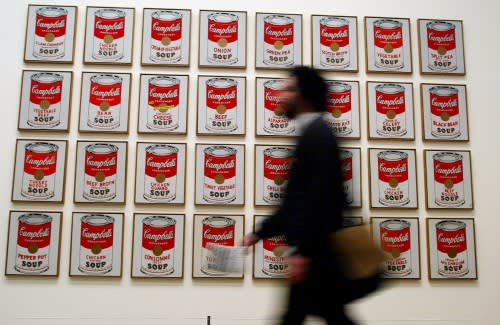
(298, 266)
(249, 240)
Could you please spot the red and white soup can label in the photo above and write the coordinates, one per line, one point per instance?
(274, 264)
(33, 243)
(334, 42)
(45, 100)
(445, 112)
(346, 168)
(395, 240)
(160, 181)
(279, 40)
(393, 178)
(158, 245)
(275, 120)
(339, 107)
(105, 101)
(219, 174)
(50, 33)
(96, 244)
(451, 239)
(163, 103)
(222, 47)
(109, 34)
(101, 160)
(442, 46)
(388, 38)
(166, 36)
(222, 104)
(216, 230)
(39, 171)
(391, 110)
(448, 179)
(277, 165)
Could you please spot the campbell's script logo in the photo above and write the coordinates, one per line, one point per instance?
(101, 163)
(395, 239)
(273, 98)
(218, 237)
(218, 166)
(161, 164)
(394, 36)
(113, 92)
(455, 170)
(221, 96)
(344, 99)
(401, 168)
(166, 29)
(45, 232)
(157, 237)
(47, 161)
(164, 95)
(285, 32)
(442, 38)
(451, 103)
(279, 239)
(277, 167)
(227, 30)
(390, 102)
(109, 27)
(337, 35)
(457, 239)
(46, 92)
(50, 25)
(86, 233)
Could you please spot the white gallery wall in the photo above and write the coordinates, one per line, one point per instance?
(66, 300)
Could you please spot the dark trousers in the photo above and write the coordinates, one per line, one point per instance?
(314, 298)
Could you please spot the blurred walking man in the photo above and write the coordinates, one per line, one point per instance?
(312, 208)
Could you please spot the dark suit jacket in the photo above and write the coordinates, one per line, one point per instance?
(314, 199)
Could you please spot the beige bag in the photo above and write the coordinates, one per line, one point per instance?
(360, 255)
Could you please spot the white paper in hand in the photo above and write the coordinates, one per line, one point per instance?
(227, 259)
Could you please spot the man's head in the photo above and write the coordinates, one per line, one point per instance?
(306, 91)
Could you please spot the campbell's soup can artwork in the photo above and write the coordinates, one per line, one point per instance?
(50, 33)
(40, 166)
(442, 46)
(275, 120)
(222, 38)
(391, 110)
(166, 36)
(388, 36)
(395, 240)
(216, 230)
(222, 104)
(448, 179)
(274, 264)
(445, 112)
(101, 161)
(393, 178)
(279, 40)
(109, 34)
(346, 168)
(163, 103)
(277, 165)
(96, 244)
(451, 239)
(33, 243)
(160, 181)
(219, 174)
(158, 245)
(45, 100)
(339, 107)
(105, 101)
(334, 40)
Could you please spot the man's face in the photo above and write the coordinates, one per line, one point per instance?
(291, 97)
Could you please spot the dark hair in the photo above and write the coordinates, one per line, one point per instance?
(311, 86)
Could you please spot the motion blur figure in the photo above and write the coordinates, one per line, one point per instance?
(312, 208)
